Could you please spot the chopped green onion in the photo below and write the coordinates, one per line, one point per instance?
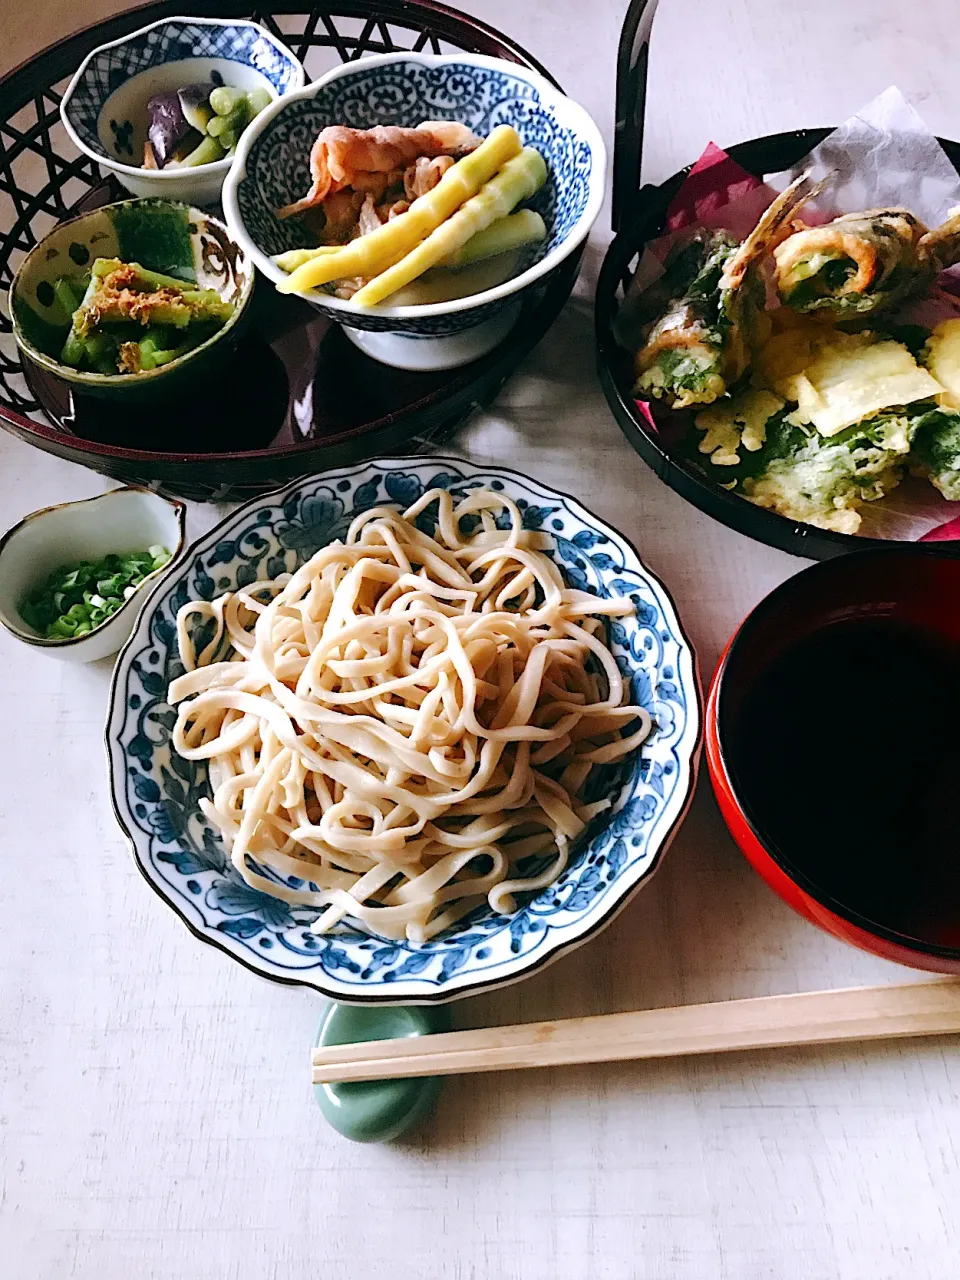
(76, 599)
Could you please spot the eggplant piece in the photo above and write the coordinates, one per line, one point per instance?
(195, 104)
(185, 148)
(207, 151)
(167, 126)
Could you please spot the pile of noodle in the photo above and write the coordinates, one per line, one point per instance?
(405, 719)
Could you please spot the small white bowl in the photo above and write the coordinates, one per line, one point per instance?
(122, 520)
(104, 109)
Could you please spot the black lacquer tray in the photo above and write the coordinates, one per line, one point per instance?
(639, 215)
(299, 397)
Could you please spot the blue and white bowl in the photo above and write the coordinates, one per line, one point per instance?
(155, 792)
(272, 169)
(104, 109)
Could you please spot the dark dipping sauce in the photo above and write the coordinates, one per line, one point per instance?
(845, 752)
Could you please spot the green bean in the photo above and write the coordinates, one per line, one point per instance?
(102, 267)
(158, 337)
(153, 340)
(223, 99)
(74, 342)
(220, 124)
(258, 100)
(72, 353)
(208, 305)
(144, 278)
(154, 358)
(227, 129)
(101, 350)
(65, 299)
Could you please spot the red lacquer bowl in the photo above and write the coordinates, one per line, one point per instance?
(917, 585)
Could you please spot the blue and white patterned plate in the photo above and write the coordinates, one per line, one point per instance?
(104, 108)
(272, 167)
(155, 792)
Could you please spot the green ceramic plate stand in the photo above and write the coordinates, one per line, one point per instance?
(377, 1110)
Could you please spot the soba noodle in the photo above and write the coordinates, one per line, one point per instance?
(392, 729)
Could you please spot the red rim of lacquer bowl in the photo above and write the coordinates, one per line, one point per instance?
(761, 851)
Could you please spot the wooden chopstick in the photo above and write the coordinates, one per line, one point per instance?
(765, 1022)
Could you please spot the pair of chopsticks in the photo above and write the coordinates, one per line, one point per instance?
(765, 1022)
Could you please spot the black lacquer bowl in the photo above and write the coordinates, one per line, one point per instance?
(298, 397)
(640, 216)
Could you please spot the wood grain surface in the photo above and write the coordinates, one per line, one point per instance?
(880, 1012)
(156, 1116)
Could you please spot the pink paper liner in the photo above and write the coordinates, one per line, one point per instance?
(948, 532)
(643, 408)
(714, 181)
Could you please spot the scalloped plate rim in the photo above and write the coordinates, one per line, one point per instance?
(460, 984)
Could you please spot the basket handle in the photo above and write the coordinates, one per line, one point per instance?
(632, 57)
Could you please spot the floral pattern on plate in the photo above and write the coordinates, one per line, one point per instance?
(155, 792)
(407, 91)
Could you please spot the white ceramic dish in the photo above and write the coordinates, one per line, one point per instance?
(121, 520)
(272, 169)
(104, 109)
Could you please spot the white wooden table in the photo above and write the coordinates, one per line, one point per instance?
(156, 1120)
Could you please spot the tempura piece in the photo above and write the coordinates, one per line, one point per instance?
(343, 157)
(683, 359)
(863, 263)
(941, 246)
(858, 264)
(700, 344)
(936, 450)
(802, 476)
(736, 424)
(851, 376)
(941, 355)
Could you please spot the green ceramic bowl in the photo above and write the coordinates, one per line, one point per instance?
(160, 235)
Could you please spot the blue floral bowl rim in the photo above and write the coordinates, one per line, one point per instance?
(161, 175)
(80, 377)
(466, 987)
(577, 117)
